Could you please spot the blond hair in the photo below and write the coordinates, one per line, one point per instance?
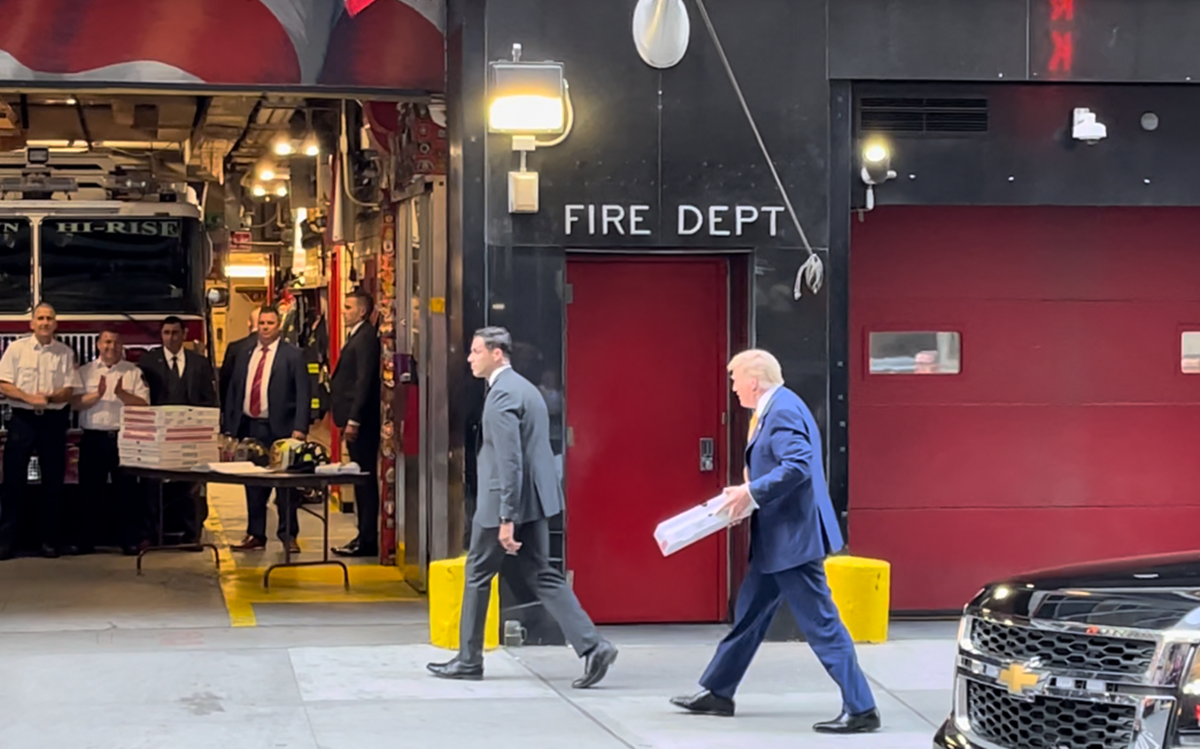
(758, 364)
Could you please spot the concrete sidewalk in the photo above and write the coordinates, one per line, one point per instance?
(353, 686)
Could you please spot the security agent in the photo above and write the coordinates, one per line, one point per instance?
(109, 384)
(38, 377)
(355, 394)
(176, 376)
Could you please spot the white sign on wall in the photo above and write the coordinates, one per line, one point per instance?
(615, 219)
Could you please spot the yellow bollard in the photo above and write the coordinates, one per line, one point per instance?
(445, 605)
(862, 591)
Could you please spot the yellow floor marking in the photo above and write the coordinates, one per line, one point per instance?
(242, 584)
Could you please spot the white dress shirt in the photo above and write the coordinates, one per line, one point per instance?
(181, 356)
(39, 369)
(758, 410)
(257, 356)
(107, 412)
(492, 377)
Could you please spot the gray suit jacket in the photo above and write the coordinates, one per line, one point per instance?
(517, 478)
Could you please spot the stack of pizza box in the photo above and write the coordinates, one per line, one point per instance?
(169, 437)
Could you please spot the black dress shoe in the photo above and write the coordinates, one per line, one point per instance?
(596, 666)
(356, 551)
(847, 723)
(456, 670)
(349, 550)
(705, 703)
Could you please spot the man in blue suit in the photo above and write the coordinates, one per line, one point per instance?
(791, 533)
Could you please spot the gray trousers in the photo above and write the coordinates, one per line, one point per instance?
(484, 561)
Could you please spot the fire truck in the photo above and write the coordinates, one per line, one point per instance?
(109, 244)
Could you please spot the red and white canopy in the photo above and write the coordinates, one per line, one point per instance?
(340, 44)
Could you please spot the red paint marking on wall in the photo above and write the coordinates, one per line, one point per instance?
(1064, 48)
(1062, 10)
(1062, 39)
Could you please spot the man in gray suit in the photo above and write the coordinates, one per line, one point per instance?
(518, 492)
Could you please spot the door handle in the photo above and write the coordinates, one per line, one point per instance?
(707, 461)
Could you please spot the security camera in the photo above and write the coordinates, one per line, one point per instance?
(1085, 127)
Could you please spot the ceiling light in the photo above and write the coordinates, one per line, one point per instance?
(246, 271)
(266, 174)
(259, 191)
(281, 191)
(283, 147)
(311, 146)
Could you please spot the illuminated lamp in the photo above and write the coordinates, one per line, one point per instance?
(246, 271)
(283, 147)
(876, 167)
(259, 191)
(281, 191)
(527, 99)
(311, 147)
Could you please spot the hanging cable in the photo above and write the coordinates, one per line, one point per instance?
(813, 270)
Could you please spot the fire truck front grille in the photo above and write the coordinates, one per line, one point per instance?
(1063, 650)
(1047, 722)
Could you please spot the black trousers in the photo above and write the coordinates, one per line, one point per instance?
(257, 497)
(484, 561)
(43, 434)
(365, 451)
(106, 491)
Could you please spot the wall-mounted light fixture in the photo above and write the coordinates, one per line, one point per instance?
(876, 167)
(528, 99)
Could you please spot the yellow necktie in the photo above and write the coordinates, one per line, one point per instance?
(753, 423)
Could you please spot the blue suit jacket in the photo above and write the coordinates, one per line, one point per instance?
(787, 478)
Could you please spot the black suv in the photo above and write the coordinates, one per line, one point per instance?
(1097, 656)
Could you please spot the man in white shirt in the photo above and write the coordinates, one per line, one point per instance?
(109, 384)
(38, 377)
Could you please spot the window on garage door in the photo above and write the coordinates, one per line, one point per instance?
(1190, 352)
(915, 352)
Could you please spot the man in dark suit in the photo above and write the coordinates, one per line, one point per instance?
(179, 377)
(354, 390)
(519, 492)
(791, 533)
(268, 400)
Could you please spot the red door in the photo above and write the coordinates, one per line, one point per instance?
(1054, 419)
(646, 382)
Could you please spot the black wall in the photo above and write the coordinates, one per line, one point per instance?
(658, 139)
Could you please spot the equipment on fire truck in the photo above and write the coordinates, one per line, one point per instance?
(253, 451)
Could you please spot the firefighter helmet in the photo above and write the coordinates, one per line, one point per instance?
(307, 457)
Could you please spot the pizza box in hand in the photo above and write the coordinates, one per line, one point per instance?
(695, 524)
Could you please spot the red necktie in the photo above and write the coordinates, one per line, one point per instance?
(256, 388)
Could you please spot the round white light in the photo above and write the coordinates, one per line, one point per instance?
(266, 174)
(281, 191)
(259, 191)
(661, 29)
(284, 148)
(875, 153)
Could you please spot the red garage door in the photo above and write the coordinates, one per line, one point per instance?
(1025, 391)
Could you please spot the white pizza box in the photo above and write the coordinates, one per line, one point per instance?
(695, 524)
(172, 415)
